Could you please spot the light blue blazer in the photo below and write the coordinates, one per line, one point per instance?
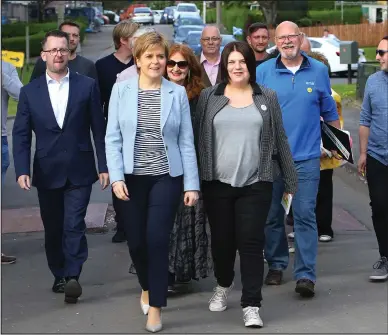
(175, 125)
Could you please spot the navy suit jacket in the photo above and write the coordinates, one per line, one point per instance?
(61, 154)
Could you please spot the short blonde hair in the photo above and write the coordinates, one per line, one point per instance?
(149, 40)
(124, 29)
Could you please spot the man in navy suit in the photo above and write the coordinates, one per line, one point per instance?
(61, 107)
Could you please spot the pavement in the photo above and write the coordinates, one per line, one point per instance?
(345, 301)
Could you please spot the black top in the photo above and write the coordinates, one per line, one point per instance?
(79, 64)
(107, 70)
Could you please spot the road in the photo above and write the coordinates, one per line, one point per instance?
(345, 301)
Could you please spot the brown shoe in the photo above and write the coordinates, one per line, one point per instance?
(7, 259)
(305, 287)
(274, 277)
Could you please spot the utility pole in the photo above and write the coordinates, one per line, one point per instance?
(218, 14)
(61, 12)
(204, 12)
(342, 12)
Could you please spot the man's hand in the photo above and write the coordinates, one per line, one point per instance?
(336, 155)
(191, 198)
(120, 190)
(24, 182)
(362, 164)
(323, 153)
(104, 180)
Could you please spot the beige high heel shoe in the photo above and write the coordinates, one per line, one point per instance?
(155, 328)
(144, 307)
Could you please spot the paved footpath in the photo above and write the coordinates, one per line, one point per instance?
(345, 301)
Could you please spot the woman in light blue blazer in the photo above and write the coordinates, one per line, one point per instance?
(150, 155)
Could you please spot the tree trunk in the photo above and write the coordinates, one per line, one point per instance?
(269, 9)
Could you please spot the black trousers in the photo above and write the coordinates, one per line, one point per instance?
(116, 207)
(324, 207)
(237, 217)
(377, 178)
(148, 218)
(63, 212)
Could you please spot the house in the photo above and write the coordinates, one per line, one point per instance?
(376, 12)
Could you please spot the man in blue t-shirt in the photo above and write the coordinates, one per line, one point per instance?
(302, 85)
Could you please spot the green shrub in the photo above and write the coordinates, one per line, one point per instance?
(19, 28)
(235, 17)
(19, 44)
(320, 4)
(305, 22)
(352, 15)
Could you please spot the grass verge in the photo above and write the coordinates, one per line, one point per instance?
(12, 105)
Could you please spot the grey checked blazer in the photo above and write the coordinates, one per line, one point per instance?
(276, 155)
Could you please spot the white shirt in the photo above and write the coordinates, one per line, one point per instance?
(59, 94)
(293, 69)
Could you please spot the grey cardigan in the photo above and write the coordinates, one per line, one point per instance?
(276, 155)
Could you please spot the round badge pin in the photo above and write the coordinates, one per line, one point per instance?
(263, 107)
(309, 90)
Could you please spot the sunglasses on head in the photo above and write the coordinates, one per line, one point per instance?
(182, 64)
(380, 52)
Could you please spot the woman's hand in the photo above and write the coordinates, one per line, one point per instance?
(191, 198)
(120, 190)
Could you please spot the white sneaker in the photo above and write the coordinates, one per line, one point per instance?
(325, 238)
(291, 235)
(252, 317)
(218, 301)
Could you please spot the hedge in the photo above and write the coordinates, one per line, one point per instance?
(352, 15)
(235, 17)
(18, 41)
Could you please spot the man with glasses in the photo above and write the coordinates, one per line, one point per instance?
(303, 88)
(258, 39)
(210, 58)
(76, 63)
(374, 154)
(61, 108)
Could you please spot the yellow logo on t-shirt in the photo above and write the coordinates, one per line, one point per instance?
(309, 89)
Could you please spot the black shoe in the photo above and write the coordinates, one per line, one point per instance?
(305, 287)
(119, 237)
(274, 277)
(59, 285)
(73, 291)
(171, 289)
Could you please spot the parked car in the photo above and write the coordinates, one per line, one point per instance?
(185, 8)
(157, 16)
(143, 15)
(182, 31)
(193, 41)
(330, 48)
(188, 20)
(113, 17)
(168, 15)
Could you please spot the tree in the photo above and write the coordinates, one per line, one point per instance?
(269, 9)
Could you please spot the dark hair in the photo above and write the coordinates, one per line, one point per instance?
(248, 54)
(385, 38)
(69, 23)
(326, 29)
(255, 27)
(55, 33)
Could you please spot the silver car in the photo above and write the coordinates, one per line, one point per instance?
(143, 15)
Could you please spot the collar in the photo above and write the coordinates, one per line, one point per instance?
(281, 66)
(64, 79)
(220, 90)
(203, 59)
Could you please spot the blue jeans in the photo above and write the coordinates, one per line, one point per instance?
(4, 157)
(305, 225)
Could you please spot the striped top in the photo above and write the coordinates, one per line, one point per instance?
(149, 155)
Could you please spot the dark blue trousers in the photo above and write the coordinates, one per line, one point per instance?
(148, 218)
(63, 212)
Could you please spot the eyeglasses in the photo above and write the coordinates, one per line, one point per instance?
(213, 39)
(291, 37)
(182, 64)
(380, 52)
(53, 52)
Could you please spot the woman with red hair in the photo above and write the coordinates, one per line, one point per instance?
(188, 241)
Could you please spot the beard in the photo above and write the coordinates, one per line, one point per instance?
(289, 56)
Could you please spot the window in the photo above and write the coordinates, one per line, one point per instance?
(315, 44)
(185, 30)
(142, 10)
(192, 21)
(193, 38)
(187, 9)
